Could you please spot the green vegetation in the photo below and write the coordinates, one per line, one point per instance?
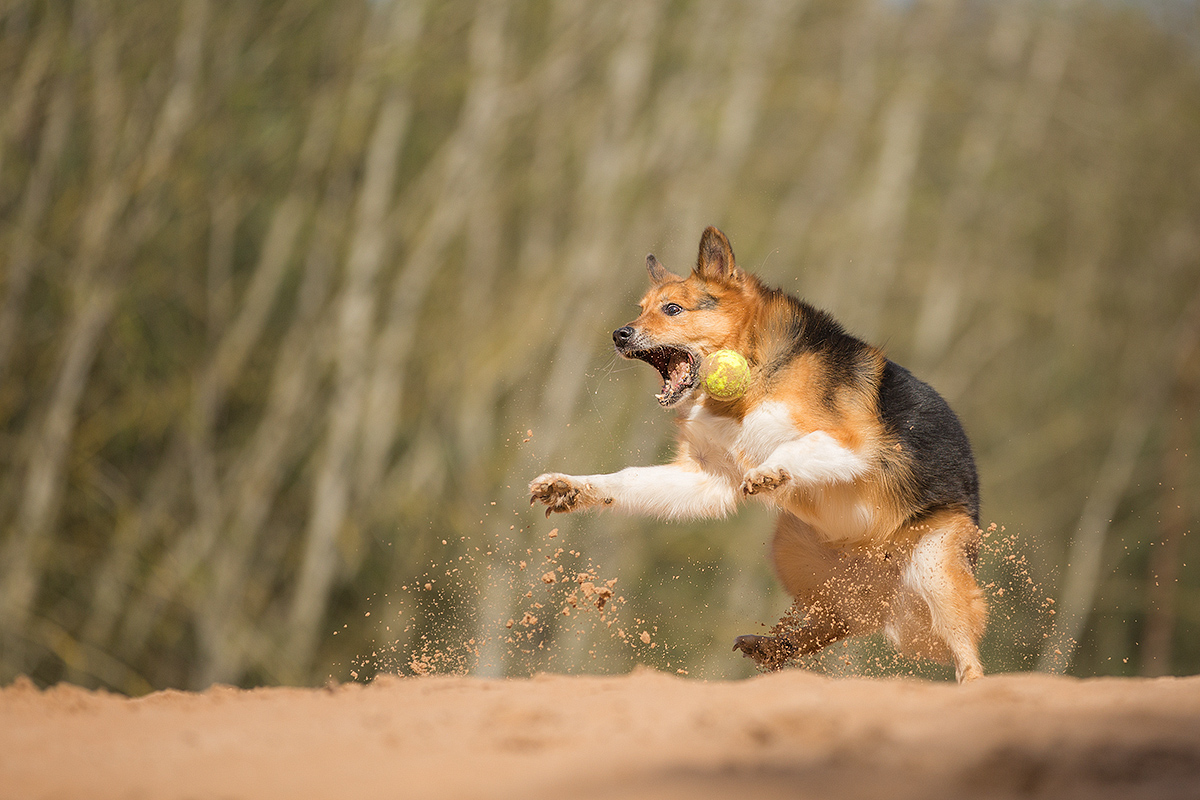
(286, 284)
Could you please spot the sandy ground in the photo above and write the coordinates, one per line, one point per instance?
(644, 735)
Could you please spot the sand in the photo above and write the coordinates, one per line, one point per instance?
(642, 735)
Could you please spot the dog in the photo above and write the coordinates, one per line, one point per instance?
(870, 469)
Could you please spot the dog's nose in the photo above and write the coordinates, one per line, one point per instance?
(621, 336)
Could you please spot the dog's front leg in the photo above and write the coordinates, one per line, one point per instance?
(670, 491)
(814, 458)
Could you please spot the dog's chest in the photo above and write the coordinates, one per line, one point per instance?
(834, 508)
(738, 444)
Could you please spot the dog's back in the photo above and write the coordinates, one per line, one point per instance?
(944, 474)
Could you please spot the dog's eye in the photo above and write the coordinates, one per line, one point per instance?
(672, 309)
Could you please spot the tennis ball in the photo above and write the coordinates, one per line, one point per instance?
(725, 374)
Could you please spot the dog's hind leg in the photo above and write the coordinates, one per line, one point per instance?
(822, 627)
(839, 592)
(939, 573)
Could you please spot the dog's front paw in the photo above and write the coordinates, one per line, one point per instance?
(769, 652)
(560, 493)
(764, 479)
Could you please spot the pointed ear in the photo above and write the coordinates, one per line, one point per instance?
(659, 273)
(715, 261)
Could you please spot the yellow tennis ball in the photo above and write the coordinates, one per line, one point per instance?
(725, 374)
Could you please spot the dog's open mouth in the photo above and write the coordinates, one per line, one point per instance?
(678, 367)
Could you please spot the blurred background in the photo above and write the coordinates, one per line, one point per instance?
(296, 297)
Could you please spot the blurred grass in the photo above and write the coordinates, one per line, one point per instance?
(286, 284)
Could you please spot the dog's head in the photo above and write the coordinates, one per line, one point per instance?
(685, 319)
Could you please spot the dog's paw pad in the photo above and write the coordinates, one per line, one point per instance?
(762, 480)
(559, 493)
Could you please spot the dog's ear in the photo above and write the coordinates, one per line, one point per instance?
(715, 261)
(659, 273)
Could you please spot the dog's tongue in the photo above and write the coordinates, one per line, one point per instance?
(678, 376)
(681, 370)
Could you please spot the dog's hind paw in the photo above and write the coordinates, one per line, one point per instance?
(560, 493)
(762, 480)
(769, 652)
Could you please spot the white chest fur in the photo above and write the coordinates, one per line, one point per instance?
(823, 473)
(741, 444)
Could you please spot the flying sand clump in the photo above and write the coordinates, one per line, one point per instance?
(569, 614)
